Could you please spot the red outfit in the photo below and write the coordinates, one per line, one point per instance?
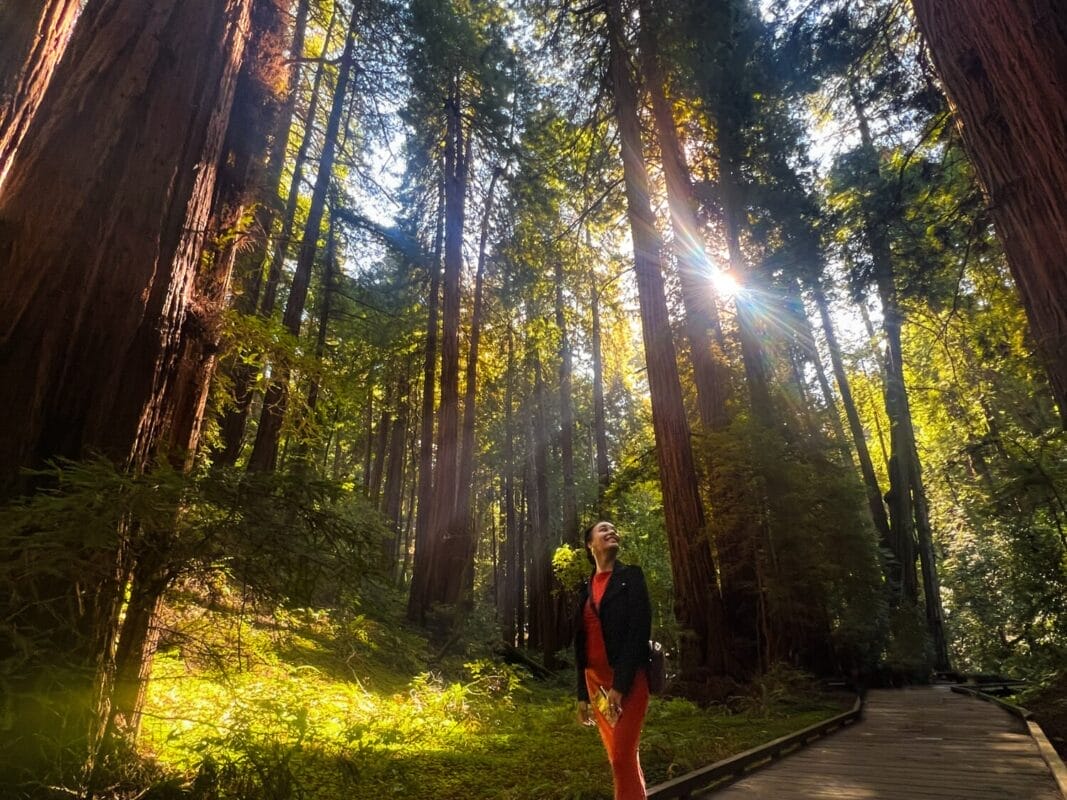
(621, 741)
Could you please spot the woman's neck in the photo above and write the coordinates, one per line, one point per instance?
(607, 565)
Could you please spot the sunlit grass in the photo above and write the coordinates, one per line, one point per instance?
(304, 715)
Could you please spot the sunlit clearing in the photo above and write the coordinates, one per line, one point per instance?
(725, 283)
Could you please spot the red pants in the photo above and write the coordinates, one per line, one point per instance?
(621, 741)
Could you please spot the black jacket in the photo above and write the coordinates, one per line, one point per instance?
(626, 620)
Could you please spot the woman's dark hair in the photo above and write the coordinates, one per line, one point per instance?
(588, 536)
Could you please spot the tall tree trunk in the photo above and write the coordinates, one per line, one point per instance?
(264, 455)
(442, 519)
(600, 430)
(541, 537)
(902, 574)
(1004, 67)
(240, 180)
(394, 481)
(121, 214)
(908, 514)
(329, 276)
(381, 441)
(702, 324)
(33, 37)
(870, 479)
(419, 597)
(512, 564)
(458, 553)
(566, 416)
(89, 370)
(697, 602)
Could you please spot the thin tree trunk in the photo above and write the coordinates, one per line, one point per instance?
(33, 38)
(600, 435)
(249, 266)
(697, 602)
(265, 451)
(870, 479)
(1004, 67)
(419, 598)
(394, 480)
(458, 554)
(512, 572)
(566, 416)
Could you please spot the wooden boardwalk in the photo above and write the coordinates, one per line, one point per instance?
(913, 744)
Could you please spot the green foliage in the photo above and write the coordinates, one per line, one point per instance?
(297, 722)
(570, 565)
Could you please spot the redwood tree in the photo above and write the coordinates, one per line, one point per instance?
(697, 602)
(34, 34)
(104, 218)
(1004, 68)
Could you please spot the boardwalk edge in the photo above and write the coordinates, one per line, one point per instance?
(1044, 746)
(731, 769)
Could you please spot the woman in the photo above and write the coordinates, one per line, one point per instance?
(612, 628)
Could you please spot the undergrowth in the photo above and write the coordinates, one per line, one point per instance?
(316, 705)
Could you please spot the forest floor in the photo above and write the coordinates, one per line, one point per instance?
(1049, 705)
(309, 705)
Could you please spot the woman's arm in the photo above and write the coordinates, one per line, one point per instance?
(634, 654)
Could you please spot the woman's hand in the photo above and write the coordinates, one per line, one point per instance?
(585, 715)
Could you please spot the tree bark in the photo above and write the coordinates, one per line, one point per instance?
(1004, 67)
(512, 563)
(457, 554)
(34, 36)
(600, 434)
(89, 370)
(446, 486)
(248, 143)
(249, 267)
(119, 214)
(870, 479)
(566, 416)
(702, 325)
(697, 602)
(419, 597)
(264, 455)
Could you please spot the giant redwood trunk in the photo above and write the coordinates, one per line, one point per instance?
(102, 223)
(92, 369)
(1004, 67)
(697, 602)
(702, 326)
(249, 139)
(33, 37)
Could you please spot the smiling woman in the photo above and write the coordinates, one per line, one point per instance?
(612, 629)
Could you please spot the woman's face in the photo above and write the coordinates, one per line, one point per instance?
(604, 540)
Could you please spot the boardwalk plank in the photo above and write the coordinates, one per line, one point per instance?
(913, 744)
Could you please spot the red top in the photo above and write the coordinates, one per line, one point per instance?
(596, 654)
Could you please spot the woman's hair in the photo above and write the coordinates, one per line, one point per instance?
(588, 536)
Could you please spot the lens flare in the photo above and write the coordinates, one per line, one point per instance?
(726, 285)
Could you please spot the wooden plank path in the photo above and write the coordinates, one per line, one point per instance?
(913, 744)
